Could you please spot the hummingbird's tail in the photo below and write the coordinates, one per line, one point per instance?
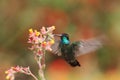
(74, 63)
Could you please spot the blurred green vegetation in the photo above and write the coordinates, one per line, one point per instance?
(79, 18)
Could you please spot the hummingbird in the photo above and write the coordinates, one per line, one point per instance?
(70, 50)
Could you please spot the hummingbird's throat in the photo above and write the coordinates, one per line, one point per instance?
(65, 40)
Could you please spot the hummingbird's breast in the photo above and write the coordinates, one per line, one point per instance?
(69, 55)
(67, 52)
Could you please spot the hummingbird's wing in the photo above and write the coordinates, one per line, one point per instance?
(87, 46)
(55, 48)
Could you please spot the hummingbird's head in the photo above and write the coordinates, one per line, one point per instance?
(64, 35)
(64, 38)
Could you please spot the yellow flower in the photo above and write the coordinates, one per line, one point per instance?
(30, 30)
(52, 41)
(6, 72)
(53, 27)
(37, 33)
(7, 77)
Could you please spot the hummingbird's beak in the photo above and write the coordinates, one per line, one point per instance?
(59, 35)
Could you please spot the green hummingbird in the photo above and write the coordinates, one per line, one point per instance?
(69, 51)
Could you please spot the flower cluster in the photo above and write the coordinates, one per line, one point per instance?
(13, 70)
(41, 40)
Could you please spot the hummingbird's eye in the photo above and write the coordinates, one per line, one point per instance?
(67, 35)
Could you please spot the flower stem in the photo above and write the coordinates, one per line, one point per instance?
(41, 63)
(33, 76)
(41, 74)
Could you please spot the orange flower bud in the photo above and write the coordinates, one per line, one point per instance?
(44, 44)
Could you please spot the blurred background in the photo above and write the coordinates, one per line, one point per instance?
(82, 19)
